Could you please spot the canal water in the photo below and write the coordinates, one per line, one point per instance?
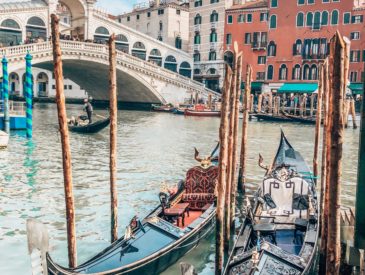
(153, 148)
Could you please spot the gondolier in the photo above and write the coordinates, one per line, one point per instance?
(88, 108)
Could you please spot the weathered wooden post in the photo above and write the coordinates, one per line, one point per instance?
(29, 95)
(6, 95)
(318, 122)
(324, 170)
(66, 151)
(246, 104)
(259, 104)
(360, 188)
(346, 112)
(222, 176)
(270, 103)
(210, 101)
(312, 105)
(196, 98)
(231, 149)
(235, 138)
(336, 126)
(353, 114)
(113, 138)
(251, 103)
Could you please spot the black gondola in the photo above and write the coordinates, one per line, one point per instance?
(280, 232)
(304, 120)
(165, 235)
(90, 128)
(271, 117)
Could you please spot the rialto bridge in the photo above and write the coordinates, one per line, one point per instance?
(149, 71)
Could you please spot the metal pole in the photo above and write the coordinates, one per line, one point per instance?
(29, 94)
(66, 150)
(113, 138)
(6, 95)
(360, 189)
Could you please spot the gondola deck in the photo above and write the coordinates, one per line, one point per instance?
(90, 128)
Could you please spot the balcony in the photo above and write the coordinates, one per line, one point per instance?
(213, 46)
(197, 28)
(213, 25)
(313, 56)
(258, 46)
(196, 47)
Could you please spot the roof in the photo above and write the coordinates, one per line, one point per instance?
(22, 4)
(251, 5)
(298, 88)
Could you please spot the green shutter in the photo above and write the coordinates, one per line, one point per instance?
(324, 21)
(301, 2)
(249, 17)
(273, 22)
(334, 17)
(309, 19)
(300, 20)
(274, 3)
(346, 18)
(230, 19)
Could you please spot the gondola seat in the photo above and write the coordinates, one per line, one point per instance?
(200, 186)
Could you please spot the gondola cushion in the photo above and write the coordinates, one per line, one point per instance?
(200, 186)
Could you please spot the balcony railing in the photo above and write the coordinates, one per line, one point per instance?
(213, 25)
(197, 28)
(213, 45)
(196, 47)
(260, 45)
(313, 56)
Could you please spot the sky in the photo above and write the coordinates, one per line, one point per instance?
(117, 6)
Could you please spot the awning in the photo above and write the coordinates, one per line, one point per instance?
(356, 88)
(255, 86)
(304, 88)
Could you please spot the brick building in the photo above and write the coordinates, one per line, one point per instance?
(284, 41)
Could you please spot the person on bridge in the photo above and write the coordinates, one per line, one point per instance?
(88, 108)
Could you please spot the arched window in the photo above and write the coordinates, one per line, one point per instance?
(170, 63)
(197, 38)
(214, 16)
(10, 33)
(139, 50)
(197, 19)
(297, 47)
(228, 58)
(196, 57)
(315, 46)
(42, 85)
(212, 55)
(296, 72)
(273, 23)
(185, 69)
(121, 43)
(334, 17)
(197, 71)
(283, 72)
(309, 22)
(155, 57)
(271, 49)
(36, 21)
(213, 36)
(178, 42)
(324, 20)
(314, 72)
(300, 19)
(270, 72)
(101, 35)
(317, 20)
(306, 72)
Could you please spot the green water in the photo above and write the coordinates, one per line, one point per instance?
(152, 148)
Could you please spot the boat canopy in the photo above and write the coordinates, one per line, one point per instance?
(303, 88)
(356, 88)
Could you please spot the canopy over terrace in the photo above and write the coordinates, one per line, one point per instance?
(302, 88)
(356, 88)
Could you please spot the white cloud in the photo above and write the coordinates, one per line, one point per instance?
(116, 6)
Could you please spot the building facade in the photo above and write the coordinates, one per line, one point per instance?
(207, 18)
(167, 21)
(285, 41)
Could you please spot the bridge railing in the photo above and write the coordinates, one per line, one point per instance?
(22, 50)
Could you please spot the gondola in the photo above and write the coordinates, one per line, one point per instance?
(173, 228)
(280, 231)
(90, 128)
(163, 108)
(271, 117)
(202, 113)
(304, 120)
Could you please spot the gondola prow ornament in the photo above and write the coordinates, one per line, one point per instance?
(204, 163)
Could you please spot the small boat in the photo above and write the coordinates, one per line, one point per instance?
(271, 117)
(4, 139)
(163, 108)
(304, 120)
(179, 111)
(173, 228)
(202, 113)
(280, 230)
(90, 128)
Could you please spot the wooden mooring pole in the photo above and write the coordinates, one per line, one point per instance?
(318, 121)
(113, 138)
(246, 104)
(66, 151)
(222, 176)
(336, 125)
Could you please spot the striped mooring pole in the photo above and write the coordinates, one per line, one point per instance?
(28, 94)
(6, 95)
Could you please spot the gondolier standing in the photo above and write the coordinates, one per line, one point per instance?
(88, 108)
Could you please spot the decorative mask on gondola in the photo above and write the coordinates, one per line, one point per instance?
(205, 162)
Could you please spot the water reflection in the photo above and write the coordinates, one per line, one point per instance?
(152, 148)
